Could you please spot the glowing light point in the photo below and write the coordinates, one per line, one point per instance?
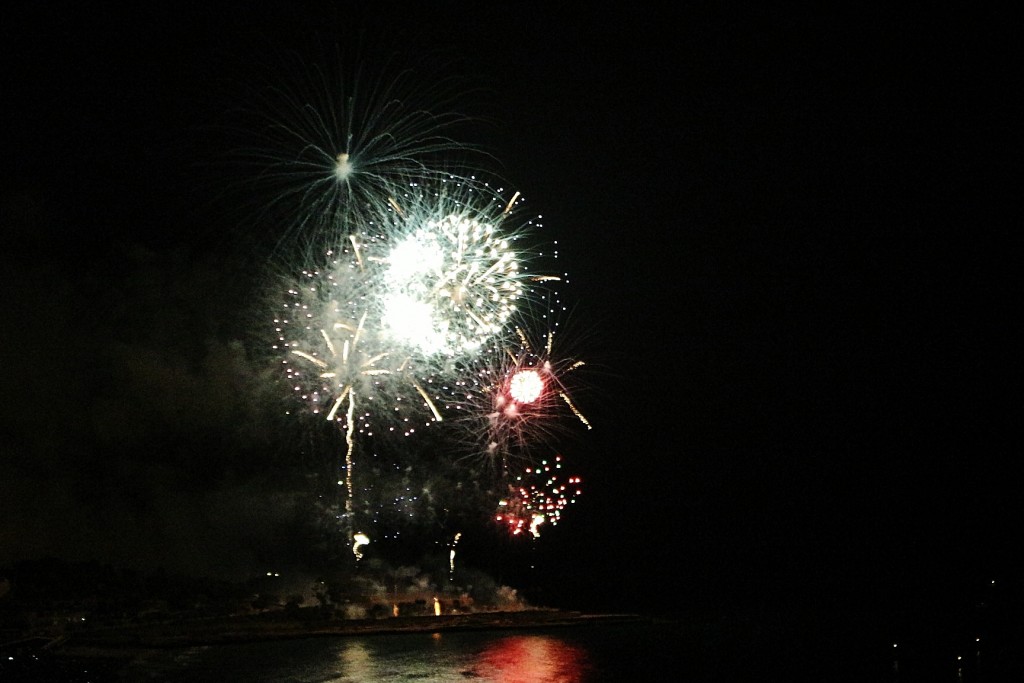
(526, 386)
(342, 167)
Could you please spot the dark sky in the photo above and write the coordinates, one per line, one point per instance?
(791, 239)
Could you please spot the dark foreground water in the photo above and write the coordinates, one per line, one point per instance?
(763, 649)
(633, 651)
(566, 654)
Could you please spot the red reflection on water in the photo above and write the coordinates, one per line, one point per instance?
(531, 659)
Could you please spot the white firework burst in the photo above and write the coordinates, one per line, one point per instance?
(453, 278)
(325, 146)
(401, 304)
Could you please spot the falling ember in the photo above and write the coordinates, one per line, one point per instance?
(359, 539)
(451, 554)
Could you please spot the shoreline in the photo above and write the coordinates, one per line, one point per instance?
(277, 626)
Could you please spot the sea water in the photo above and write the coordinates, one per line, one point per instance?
(725, 648)
(575, 654)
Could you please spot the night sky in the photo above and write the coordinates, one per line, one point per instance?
(792, 242)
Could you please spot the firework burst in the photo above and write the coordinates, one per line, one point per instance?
(515, 402)
(323, 147)
(330, 354)
(414, 307)
(400, 304)
(377, 335)
(536, 497)
(453, 278)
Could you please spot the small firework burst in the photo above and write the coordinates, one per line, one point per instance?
(537, 497)
(323, 139)
(516, 400)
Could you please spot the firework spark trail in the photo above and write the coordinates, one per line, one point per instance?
(349, 448)
(451, 554)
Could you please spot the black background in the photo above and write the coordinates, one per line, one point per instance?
(793, 238)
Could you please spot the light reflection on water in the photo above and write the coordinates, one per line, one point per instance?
(491, 657)
(451, 657)
(522, 659)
